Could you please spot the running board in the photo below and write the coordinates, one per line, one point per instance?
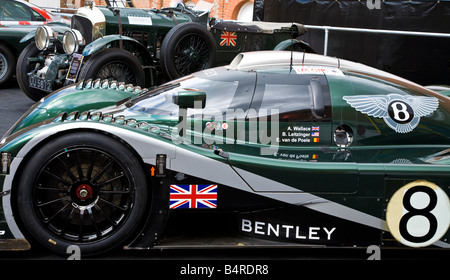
(223, 242)
(14, 245)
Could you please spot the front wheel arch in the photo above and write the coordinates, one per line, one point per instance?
(123, 67)
(60, 247)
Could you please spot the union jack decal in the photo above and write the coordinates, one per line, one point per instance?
(193, 196)
(228, 39)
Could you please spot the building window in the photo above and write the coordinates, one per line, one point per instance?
(245, 13)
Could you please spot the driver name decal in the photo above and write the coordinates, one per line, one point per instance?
(402, 113)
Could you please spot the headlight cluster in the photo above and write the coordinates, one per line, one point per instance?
(72, 39)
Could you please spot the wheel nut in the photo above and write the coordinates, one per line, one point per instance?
(83, 193)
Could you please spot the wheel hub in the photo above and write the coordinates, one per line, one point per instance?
(84, 192)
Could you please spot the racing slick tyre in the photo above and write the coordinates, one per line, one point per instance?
(84, 189)
(23, 68)
(114, 64)
(188, 47)
(7, 62)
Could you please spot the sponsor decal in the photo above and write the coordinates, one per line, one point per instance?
(287, 231)
(402, 113)
(418, 214)
(228, 39)
(216, 126)
(317, 70)
(193, 196)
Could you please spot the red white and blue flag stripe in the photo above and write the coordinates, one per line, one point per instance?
(193, 196)
(228, 39)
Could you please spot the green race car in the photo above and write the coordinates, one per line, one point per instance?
(275, 149)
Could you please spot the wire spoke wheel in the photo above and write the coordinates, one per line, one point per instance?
(191, 54)
(7, 63)
(117, 71)
(113, 64)
(187, 48)
(82, 195)
(3, 66)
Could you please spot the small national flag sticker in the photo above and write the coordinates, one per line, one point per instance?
(228, 38)
(193, 196)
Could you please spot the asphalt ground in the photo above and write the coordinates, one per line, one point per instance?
(13, 103)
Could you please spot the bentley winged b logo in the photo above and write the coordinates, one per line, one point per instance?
(402, 113)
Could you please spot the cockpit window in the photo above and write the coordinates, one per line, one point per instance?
(219, 94)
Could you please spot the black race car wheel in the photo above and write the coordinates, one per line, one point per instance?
(23, 68)
(187, 48)
(7, 64)
(113, 64)
(82, 189)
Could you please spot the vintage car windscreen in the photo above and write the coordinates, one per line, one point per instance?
(219, 95)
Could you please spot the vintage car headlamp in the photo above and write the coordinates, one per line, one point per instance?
(72, 41)
(44, 37)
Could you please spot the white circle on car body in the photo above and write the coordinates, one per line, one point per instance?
(418, 214)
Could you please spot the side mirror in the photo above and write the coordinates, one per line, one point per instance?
(184, 100)
(190, 99)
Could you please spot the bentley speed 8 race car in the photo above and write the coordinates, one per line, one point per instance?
(275, 149)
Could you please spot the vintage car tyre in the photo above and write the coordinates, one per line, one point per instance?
(68, 198)
(113, 64)
(21, 72)
(190, 43)
(7, 64)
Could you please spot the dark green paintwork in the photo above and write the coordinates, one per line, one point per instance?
(11, 36)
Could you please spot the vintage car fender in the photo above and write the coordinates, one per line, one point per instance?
(102, 42)
(58, 27)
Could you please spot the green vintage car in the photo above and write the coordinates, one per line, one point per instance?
(277, 149)
(138, 46)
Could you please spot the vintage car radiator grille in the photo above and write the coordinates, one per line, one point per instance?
(84, 25)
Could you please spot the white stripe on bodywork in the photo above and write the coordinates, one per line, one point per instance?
(194, 164)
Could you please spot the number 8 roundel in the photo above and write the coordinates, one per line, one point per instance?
(418, 214)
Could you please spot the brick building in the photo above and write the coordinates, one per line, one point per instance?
(241, 10)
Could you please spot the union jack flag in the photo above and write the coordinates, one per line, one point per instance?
(193, 196)
(228, 39)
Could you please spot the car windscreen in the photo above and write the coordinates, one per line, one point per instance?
(220, 95)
